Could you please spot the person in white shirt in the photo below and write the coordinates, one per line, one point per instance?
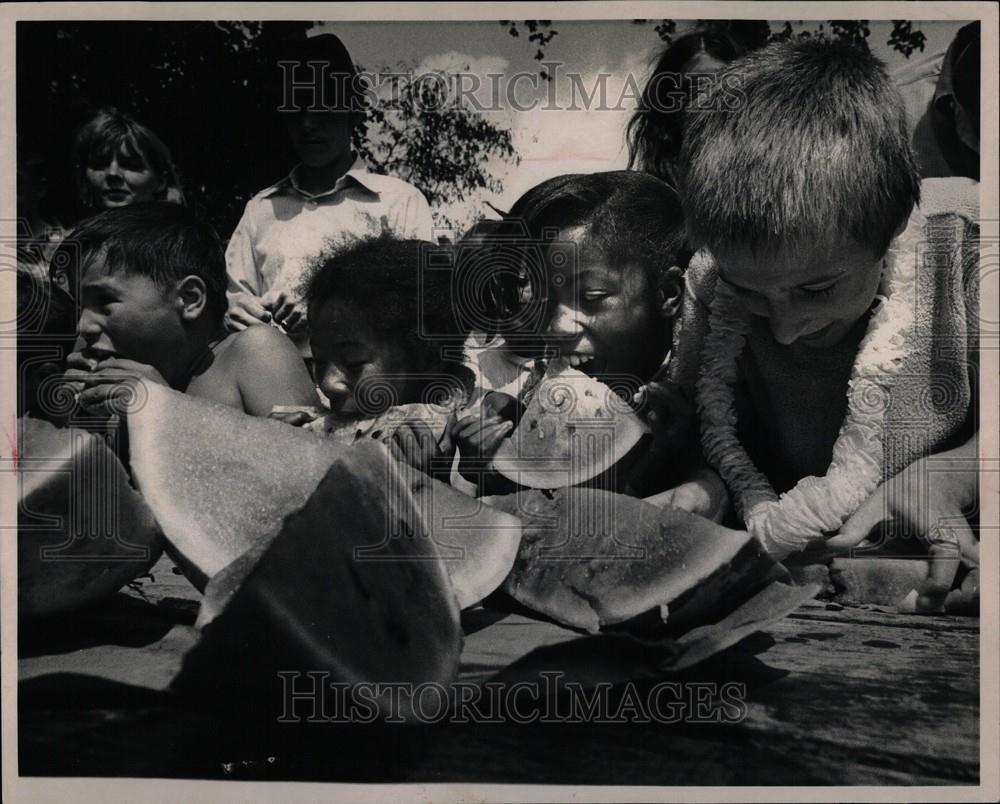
(328, 197)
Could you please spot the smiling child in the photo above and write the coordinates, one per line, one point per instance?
(610, 283)
(119, 161)
(832, 322)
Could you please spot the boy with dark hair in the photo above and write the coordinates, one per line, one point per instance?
(329, 195)
(831, 321)
(151, 288)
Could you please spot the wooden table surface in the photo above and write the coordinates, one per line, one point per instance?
(834, 696)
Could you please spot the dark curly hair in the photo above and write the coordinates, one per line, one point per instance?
(405, 286)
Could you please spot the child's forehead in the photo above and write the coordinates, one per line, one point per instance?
(575, 253)
(791, 266)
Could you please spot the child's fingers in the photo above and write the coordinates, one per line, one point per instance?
(76, 360)
(493, 437)
(669, 397)
(945, 556)
(466, 419)
(478, 425)
(296, 418)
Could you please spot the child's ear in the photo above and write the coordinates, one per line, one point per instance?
(670, 292)
(192, 297)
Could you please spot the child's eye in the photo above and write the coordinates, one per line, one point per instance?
(356, 366)
(595, 295)
(819, 293)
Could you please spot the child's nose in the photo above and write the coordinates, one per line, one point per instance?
(786, 327)
(564, 323)
(335, 388)
(88, 327)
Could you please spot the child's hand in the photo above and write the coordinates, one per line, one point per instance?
(413, 442)
(929, 498)
(704, 494)
(288, 312)
(477, 437)
(668, 412)
(296, 415)
(245, 310)
(113, 385)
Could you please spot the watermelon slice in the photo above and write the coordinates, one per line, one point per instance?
(574, 429)
(477, 543)
(83, 531)
(355, 593)
(221, 484)
(353, 430)
(218, 480)
(593, 559)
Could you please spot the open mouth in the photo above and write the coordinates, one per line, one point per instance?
(579, 361)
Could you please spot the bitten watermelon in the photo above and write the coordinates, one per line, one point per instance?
(593, 559)
(477, 543)
(351, 589)
(83, 531)
(574, 428)
(218, 480)
(221, 484)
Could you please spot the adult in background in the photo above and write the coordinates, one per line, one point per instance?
(330, 196)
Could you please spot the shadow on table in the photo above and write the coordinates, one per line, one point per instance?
(117, 730)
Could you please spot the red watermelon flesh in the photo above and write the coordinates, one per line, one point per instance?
(354, 592)
(593, 559)
(218, 480)
(83, 531)
(477, 543)
(221, 484)
(573, 429)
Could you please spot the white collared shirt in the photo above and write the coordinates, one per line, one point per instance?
(283, 226)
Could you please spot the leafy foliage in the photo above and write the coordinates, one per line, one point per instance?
(904, 39)
(540, 33)
(421, 133)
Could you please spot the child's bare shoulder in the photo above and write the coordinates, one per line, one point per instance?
(267, 369)
(260, 343)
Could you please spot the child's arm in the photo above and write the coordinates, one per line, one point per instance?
(270, 371)
(703, 493)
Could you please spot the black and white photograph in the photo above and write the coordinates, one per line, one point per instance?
(407, 403)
